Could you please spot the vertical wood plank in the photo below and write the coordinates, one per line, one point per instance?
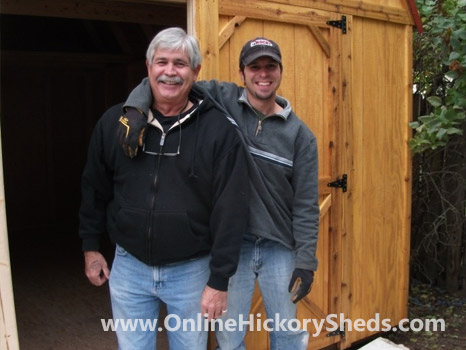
(225, 57)
(351, 272)
(203, 21)
(399, 164)
(335, 155)
(370, 242)
(341, 248)
(407, 173)
(8, 330)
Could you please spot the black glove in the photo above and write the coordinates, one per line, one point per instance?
(131, 131)
(300, 284)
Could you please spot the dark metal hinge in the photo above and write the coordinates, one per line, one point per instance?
(340, 332)
(340, 183)
(339, 24)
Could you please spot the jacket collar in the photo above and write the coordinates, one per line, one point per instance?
(284, 113)
(152, 120)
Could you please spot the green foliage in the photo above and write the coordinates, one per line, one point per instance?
(440, 72)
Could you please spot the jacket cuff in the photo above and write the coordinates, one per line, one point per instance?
(218, 283)
(91, 244)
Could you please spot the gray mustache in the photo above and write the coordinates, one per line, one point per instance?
(167, 79)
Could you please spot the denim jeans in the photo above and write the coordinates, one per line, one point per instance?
(137, 291)
(272, 265)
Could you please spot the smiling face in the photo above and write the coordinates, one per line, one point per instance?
(262, 79)
(171, 76)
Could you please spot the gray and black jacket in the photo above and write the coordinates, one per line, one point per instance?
(164, 209)
(283, 168)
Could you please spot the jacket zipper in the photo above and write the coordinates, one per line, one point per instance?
(159, 159)
(259, 128)
(155, 186)
(156, 176)
(260, 117)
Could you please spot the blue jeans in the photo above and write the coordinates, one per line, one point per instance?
(272, 265)
(137, 291)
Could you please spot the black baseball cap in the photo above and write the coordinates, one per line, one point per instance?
(259, 47)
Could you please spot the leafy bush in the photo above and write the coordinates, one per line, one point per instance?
(440, 72)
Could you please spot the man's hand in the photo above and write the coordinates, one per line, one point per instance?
(213, 303)
(300, 284)
(131, 131)
(96, 268)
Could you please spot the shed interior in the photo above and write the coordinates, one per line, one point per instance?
(58, 75)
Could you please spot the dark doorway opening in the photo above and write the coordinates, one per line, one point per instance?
(58, 75)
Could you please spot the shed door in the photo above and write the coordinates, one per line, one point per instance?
(308, 45)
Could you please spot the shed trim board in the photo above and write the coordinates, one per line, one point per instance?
(125, 11)
(9, 332)
(348, 125)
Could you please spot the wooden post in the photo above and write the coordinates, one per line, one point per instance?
(9, 333)
(203, 23)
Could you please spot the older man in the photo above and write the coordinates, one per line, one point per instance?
(177, 210)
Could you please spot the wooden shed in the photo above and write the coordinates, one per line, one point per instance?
(348, 75)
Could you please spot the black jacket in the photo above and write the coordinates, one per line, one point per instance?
(163, 208)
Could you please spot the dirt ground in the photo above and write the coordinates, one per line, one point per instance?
(56, 307)
(427, 302)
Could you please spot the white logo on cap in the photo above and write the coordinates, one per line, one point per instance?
(261, 42)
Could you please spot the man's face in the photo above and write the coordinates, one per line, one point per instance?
(171, 76)
(262, 78)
